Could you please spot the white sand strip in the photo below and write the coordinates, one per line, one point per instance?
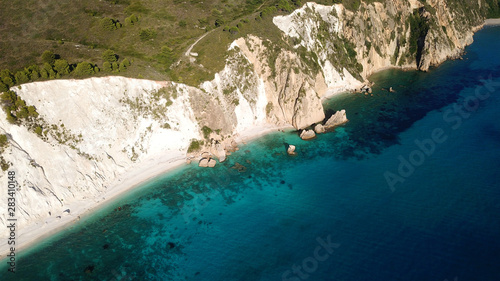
(492, 22)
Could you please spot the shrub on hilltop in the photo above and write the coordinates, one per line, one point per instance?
(109, 56)
(48, 57)
(84, 69)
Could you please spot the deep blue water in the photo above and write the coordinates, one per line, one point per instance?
(328, 213)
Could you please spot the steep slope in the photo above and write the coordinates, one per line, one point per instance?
(116, 135)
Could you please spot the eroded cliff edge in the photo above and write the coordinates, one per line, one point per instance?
(100, 128)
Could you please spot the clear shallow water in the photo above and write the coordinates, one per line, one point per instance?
(265, 220)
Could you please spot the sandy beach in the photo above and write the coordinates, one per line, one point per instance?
(492, 22)
(146, 170)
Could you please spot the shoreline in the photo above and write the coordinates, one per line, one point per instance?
(151, 168)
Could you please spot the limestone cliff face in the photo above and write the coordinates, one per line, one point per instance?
(101, 128)
(334, 49)
(383, 34)
(292, 95)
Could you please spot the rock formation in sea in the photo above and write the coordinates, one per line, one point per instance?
(319, 129)
(307, 134)
(336, 119)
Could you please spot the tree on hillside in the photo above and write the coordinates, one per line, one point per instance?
(61, 67)
(32, 111)
(7, 77)
(219, 22)
(3, 87)
(147, 34)
(3, 140)
(44, 74)
(126, 62)
(33, 72)
(131, 20)
(21, 77)
(48, 57)
(233, 30)
(123, 67)
(106, 66)
(8, 81)
(110, 24)
(109, 56)
(84, 69)
(48, 70)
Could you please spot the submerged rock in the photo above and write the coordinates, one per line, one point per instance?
(366, 89)
(307, 134)
(240, 168)
(89, 269)
(291, 150)
(337, 119)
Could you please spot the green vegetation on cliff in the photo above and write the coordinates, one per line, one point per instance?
(493, 9)
(52, 39)
(151, 34)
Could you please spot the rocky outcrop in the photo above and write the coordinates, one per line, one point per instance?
(203, 162)
(336, 119)
(293, 97)
(319, 129)
(219, 151)
(307, 134)
(207, 162)
(291, 150)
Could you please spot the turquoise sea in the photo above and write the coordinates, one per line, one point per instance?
(407, 190)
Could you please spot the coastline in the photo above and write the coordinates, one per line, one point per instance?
(149, 169)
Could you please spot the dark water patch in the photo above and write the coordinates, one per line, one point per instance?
(375, 122)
